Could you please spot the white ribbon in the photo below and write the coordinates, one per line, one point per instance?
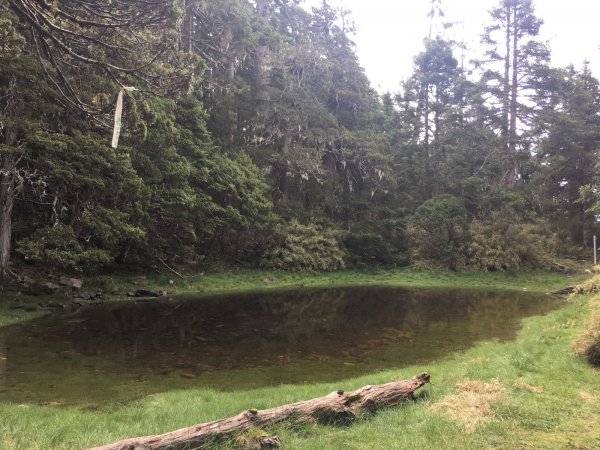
(118, 116)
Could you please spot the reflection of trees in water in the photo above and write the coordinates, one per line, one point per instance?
(275, 328)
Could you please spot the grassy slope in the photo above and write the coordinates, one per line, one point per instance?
(566, 414)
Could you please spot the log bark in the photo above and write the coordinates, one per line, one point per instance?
(337, 408)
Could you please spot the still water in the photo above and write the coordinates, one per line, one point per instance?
(113, 353)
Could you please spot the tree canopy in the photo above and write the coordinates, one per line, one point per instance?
(253, 137)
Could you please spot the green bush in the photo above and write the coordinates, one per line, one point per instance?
(372, 248)
(439, 233)
(503, 242)
(304, 247)
(58, 247)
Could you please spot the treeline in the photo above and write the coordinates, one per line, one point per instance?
(254, 138)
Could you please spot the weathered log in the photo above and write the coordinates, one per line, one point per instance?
(337, 408)
(560, 266)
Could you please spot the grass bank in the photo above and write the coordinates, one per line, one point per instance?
(530, 393)
(255, 280)
(15, 307)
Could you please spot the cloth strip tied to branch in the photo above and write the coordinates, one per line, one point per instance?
(118, 115)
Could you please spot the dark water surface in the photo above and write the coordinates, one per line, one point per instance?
(117, 352)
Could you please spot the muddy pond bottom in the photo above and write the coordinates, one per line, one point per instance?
(117, 352)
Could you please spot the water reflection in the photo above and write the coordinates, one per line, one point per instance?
(117, 352)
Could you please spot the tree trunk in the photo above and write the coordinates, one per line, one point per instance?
(7, 199)
(426, 114)
(283, 184)
(514, 87)
(8, 177)
(186, 27)
(336, 408)
(506, 91)
(262, 12)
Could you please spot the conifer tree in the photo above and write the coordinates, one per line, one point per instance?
(515, 59)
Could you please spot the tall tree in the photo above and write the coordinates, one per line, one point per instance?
(11, 43)
(512, 45)
(569, 153)
(429, 103)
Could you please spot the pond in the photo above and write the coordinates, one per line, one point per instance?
(116, 352)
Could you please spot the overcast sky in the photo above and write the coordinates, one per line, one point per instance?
(390, 32)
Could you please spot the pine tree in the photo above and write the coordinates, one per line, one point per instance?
(568, 155)
(512, 44)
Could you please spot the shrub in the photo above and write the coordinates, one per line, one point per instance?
(438, 231)
(372, 248)
(304, 247)
(503, 242)
(58, 247)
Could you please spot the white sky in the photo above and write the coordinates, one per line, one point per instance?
(390, 32)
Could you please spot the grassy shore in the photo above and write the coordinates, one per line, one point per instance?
(530, 393)
(254, 280)
(115, 287)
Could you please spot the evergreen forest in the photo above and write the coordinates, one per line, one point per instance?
(251, 137)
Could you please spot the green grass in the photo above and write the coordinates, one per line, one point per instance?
(253, 280)
(565, 414)
(9, 316)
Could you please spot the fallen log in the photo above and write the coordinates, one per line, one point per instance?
(337, 408)
(560, 267)
(565, 291)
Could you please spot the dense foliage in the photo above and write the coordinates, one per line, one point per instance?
(254, 137)
(304, 247)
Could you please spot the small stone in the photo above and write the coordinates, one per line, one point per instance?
(50, 285)
(27, 280)
(146, 293)
(270, 442)
(74, 283)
